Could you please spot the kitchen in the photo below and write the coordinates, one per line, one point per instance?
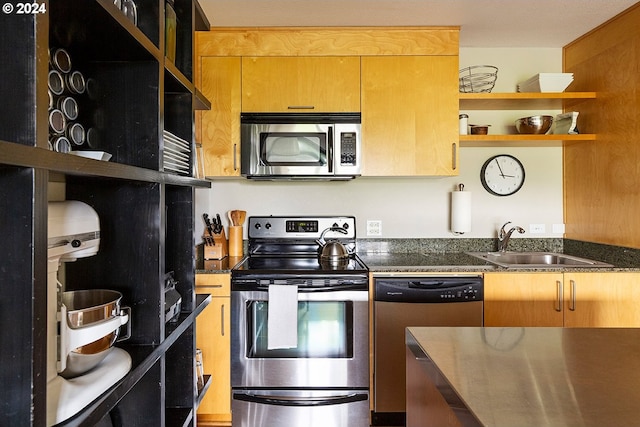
(371, 198)
(435, 192)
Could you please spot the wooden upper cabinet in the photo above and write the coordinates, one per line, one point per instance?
(218, 130)
(410, 115)
(301, 84)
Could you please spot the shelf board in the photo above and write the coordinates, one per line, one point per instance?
(202, 391)
(522, 140)
(522, 101)
(178, 83)
(25, 156)
(179, 417)
(201, 23)
(201, 101)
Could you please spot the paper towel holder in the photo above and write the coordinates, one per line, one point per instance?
(454, 227)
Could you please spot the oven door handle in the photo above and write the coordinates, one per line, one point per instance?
(297, 401)
(345, 286)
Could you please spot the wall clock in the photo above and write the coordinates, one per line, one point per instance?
(502, 175)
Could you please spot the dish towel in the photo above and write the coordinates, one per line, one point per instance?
(282, 317)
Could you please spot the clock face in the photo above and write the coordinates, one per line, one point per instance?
(502, 175)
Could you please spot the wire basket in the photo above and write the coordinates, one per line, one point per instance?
(478, 78)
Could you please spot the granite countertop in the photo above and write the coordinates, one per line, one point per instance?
(216, 266)
(391, 262)
(534, 376)
(449, 255)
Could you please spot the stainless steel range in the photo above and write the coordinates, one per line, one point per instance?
(299, 340)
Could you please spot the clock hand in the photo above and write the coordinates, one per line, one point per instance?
(500, 168)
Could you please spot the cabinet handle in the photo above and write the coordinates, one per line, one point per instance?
(209, 287)
(222, 320)
(235, 157)
(559, 295)
(301, 107)
(454, 157)
(572, 304)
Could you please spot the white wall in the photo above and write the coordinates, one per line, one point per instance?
(420, 207)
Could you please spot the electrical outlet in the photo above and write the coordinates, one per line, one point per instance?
(374, 228)
(537, 228)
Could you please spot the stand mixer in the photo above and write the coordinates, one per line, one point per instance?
(74, 232)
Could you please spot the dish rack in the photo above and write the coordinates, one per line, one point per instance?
(176, 156)
(477, 78)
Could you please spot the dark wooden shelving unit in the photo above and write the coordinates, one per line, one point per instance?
(134, 93)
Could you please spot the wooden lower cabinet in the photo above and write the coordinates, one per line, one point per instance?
(523, 299)
(213, 337)
(602, 300)
(589, 299)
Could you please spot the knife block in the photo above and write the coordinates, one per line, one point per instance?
(219, 249)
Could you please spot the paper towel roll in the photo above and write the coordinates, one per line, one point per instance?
(461, 211)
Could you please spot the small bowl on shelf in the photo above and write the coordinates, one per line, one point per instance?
(534, 125)
(95, 155)
(479, 129)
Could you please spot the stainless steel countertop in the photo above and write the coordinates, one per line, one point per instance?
(536, 376)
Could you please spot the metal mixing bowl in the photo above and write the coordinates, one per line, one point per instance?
(87, 357)
(534, 124)
(90, 306)
(86, 308)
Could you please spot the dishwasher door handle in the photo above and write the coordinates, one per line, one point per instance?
(436, 284)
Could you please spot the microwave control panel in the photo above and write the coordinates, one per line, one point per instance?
(348, 144)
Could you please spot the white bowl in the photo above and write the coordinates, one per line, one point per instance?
(546, 82)
(96, 155)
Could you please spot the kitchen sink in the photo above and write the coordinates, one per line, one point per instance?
(536, 260)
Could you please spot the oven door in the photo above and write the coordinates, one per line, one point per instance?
(332, 348)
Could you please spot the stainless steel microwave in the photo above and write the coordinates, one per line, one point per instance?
(300, 146)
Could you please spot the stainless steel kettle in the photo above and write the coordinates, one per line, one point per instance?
(333, 250)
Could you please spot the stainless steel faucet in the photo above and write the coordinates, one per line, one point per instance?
(504, 236)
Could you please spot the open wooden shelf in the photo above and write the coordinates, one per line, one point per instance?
(522, 140)
(522, 101)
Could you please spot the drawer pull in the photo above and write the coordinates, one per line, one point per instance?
(222, 320)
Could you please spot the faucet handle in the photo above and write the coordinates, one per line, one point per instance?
(502, 231)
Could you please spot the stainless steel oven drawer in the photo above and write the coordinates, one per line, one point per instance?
(297, 408)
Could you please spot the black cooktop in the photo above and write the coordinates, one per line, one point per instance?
(304, 265)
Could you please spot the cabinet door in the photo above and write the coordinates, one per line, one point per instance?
(602, 300)
(410, 115)
(301, 84)
(219, 128)
(217, 285)
(523, 299)
(213, 337)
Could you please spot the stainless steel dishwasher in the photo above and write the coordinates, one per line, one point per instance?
(403, 301)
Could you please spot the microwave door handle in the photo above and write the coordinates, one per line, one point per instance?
(330, 149)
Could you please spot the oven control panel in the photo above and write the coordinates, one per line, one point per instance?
(281, 227)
